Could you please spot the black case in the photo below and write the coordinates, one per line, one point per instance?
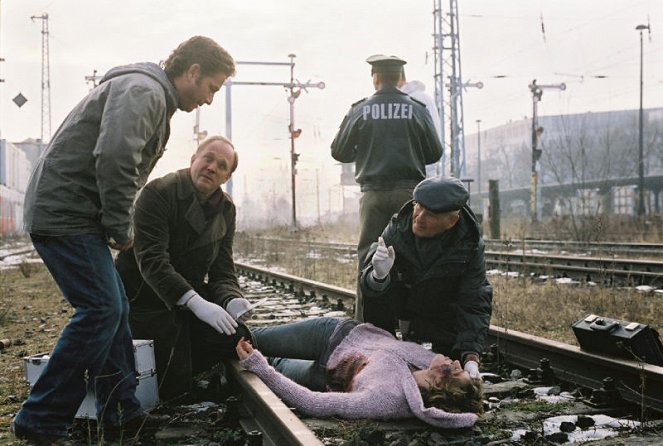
(629, 340)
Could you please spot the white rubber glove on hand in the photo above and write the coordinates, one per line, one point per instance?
(472, 367)
(239, 306)
(382, 260)
(212, 314)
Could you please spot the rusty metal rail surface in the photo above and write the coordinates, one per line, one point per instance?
(569, 363)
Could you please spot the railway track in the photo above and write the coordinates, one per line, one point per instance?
(603, 249)
(595, 249)
(605, 271)
(610, 384)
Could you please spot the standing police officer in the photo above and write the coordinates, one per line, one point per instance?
(390, 137)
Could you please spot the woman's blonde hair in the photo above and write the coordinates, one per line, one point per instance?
(456, 396)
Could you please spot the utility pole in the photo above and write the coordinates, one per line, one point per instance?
(641, 159)
(448, 67)
(294, 88)
(294, 94)
(199, 135)
(93, 80)
(535, 193)
(479, 155)
(45, 79)
(1, 60)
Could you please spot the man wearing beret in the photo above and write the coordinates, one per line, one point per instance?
(390, 137)
(426, 274)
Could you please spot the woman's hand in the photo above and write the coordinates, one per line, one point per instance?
(243, 349)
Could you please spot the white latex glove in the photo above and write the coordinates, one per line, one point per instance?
(212, 314)
(472, 367)
(240, 309)
(382, 260)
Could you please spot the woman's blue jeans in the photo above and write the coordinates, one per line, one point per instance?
(95, 350)
(299, 349)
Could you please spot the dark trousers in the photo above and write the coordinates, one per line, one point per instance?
(375, 210)
(94, 350)
(183, 346)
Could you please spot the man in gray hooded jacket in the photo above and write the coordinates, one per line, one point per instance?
(78, 204)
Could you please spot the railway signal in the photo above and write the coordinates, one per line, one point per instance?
(535, 193)
(294, 88)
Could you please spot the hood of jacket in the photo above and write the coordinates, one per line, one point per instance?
(412, 86)
(155, 72)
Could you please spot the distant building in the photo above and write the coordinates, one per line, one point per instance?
(15, 170)
(33, 149)
(577, 149)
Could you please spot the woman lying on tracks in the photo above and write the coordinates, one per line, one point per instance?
(341, 367)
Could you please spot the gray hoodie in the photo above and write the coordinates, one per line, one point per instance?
(88, 176)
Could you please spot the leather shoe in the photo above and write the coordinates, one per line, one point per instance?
(143, 423)
(36, 438)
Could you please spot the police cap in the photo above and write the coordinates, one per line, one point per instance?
(382, 64)
(441, 194)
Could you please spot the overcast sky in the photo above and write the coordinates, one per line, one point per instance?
(504, 44)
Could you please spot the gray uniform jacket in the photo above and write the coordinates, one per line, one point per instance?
(87, 178)
(439, 284)
(390, 137)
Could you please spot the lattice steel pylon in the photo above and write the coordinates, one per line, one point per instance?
(45, 79)
(449, 98)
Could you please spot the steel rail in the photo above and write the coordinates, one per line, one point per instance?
(16, 253)
(273, 418)
(572, 364)
(594, 269)
(569, 363)
(602, 270)
(604, 248)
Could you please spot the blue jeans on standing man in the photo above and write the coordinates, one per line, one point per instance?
(95, 349)
(300, 349)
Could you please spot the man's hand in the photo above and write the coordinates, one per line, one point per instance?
(382, 260)
(472, 367)
(240, 309)
(212, 314)
(121, 247)
(243, 349)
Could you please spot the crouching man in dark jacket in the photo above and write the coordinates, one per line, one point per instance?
(427, 274)
(180, 275)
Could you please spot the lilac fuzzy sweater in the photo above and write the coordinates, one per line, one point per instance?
(383, 389)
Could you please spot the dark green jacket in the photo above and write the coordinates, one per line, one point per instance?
(175, 247)
(442, 289)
